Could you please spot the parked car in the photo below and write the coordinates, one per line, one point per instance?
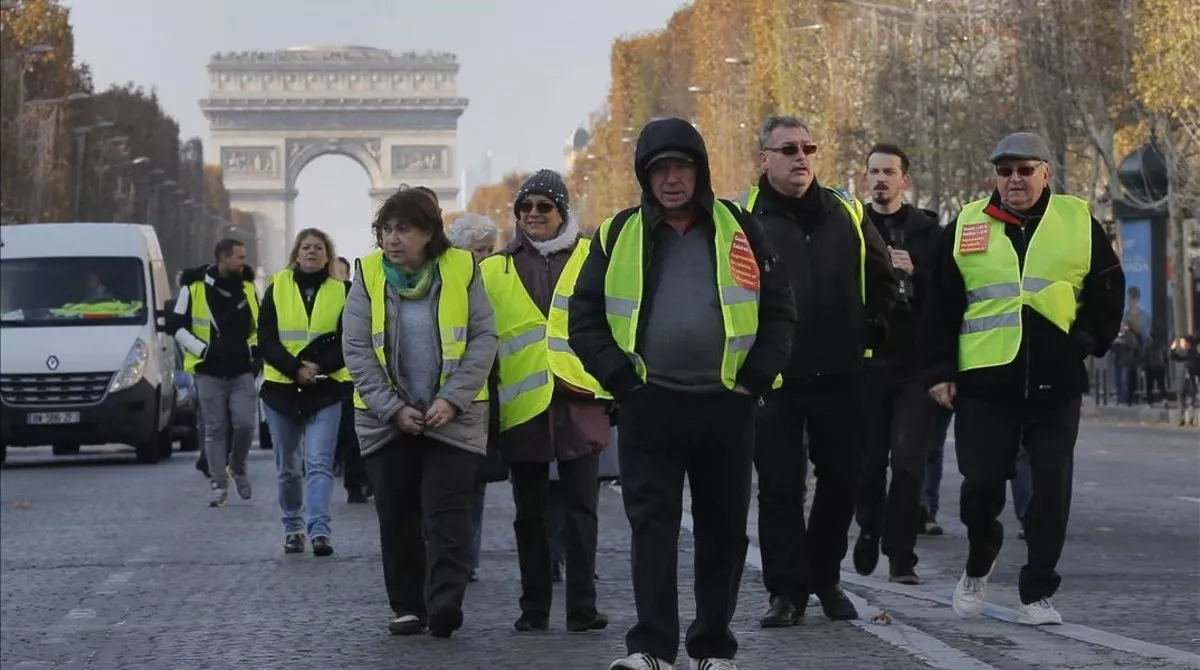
(184, 420)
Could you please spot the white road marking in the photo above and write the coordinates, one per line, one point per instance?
(1068, 630)
(1188, 498)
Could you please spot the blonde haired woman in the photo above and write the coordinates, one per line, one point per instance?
(299, 336)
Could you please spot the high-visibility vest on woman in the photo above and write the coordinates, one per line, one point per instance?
(1057, 258)
(456, 269)
(534, 348)
(296, 327)
(738, 282)
(202, 321)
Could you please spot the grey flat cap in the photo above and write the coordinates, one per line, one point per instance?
(1029, 146)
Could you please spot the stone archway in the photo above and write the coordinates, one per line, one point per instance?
(272, 113)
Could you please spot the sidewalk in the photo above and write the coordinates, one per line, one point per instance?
(1129, 414)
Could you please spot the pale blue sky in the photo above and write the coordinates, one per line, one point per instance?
(531, 69)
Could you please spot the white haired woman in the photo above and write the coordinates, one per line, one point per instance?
(299, 336)
(478, 234)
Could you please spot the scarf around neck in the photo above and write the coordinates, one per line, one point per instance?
(409, 285)
(564, 240)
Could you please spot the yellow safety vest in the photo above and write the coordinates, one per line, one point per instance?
(296, 327)
(113, 308)
(1057, 259)
(855, 209)
(456, 269)
(534, 348)
(202, 321)
(737, 288)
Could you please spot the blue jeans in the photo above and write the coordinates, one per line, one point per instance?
(1022, 485)
(304, 449)
(931, 496)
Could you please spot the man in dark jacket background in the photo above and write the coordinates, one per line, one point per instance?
(1022, 384)
(899, 411)
(685, 334)
(842, 280)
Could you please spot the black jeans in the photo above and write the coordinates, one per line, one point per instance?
(987, 435)
(931, 498)
(709, 437)
(420, 484)
(354, 476)
(899, 419)
(579, 485)
(799, 560)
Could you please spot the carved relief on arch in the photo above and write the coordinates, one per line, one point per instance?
(365, 151)
(254, 161)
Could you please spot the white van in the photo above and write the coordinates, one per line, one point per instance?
(84, 354)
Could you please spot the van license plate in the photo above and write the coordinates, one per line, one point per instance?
(53, 418)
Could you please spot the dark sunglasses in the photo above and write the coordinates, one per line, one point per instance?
(793, 149)
(543, 207)
(1023, 170)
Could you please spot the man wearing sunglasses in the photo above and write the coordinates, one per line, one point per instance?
(683, 315)
(841, 276)
(1025, 287)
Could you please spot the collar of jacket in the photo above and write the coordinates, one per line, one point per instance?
(771, 200)
(997, 210)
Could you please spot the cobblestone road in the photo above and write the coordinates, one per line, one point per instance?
(105, 564)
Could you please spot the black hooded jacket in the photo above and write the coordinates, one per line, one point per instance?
(917, 232)
(1049, 362)
(820, 249)
(228, 353)
(590, 335)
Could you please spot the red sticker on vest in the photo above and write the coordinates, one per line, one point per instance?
(742, 264)
(974, 238)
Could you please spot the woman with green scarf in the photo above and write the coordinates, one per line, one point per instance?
(419, 340)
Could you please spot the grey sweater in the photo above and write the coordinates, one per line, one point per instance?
(408, 366)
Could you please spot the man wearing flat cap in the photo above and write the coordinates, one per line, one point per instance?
(1026, 287)
(683, 314)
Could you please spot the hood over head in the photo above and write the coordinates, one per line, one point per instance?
(672, 135)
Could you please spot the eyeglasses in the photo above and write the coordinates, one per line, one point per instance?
(793, 149)
(1023, 170)
(542, 206)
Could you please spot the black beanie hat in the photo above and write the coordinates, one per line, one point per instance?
(548, 183)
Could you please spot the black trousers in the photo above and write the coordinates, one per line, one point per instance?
(799, 560)
(899, 422)
(709, 437)
(420, 482)
(987, 435)
(354, 476)
(579, 485)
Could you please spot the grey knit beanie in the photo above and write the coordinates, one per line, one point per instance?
(548, 183)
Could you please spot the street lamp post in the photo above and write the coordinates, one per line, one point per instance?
(81, 134)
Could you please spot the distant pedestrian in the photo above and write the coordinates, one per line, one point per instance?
(354, 473)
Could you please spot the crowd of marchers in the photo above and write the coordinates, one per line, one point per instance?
(719, 337)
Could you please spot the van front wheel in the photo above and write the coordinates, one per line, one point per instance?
(152, 450)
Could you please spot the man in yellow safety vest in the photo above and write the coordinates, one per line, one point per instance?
(683, 315)
(1025, 288)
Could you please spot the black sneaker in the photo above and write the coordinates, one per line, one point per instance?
(445, 621)
(321, 546)
(903, 572)
(556, 572)
(408, 624)
(866, 554)
(531, 622)
(582, 623)
(781, 614)
(356, 496)
(836, 605)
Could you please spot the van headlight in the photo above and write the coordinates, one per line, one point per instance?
(133, 369)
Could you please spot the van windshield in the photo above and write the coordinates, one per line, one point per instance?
(72, 291)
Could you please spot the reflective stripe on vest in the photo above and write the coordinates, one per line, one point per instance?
(855, 209)
(455, 269)
(296, 327)
(624, 281)
(1057, 258)
(202, 321)
(534, 349)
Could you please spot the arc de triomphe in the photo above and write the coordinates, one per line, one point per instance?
(272, 113)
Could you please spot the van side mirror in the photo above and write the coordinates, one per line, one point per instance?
(160, 316)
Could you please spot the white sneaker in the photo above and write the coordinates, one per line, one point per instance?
(640, 662)
(712, 664)
(969, 594)
(1040, 613)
